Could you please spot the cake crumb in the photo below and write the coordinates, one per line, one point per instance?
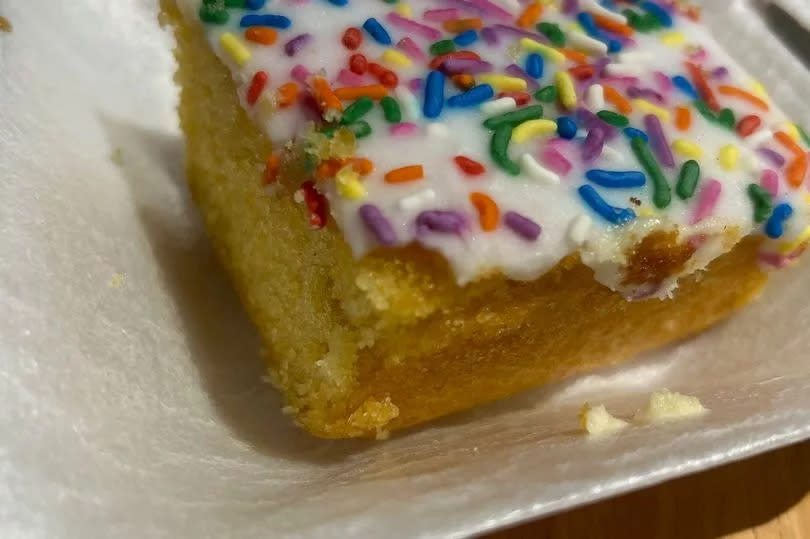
(666, 405)
(5, 25)
(117, 280)
(597, 421)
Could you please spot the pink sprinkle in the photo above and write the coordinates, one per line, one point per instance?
(412, 26)
(300, 73)
(664, 83)
(697, 241)
(410, 48)
(441, 15)
(404, 129)
(700, 55)
(415, 85)
(490, 8)
(770, 182)
(556, 161)
(707, 200)
(774, 260)
(349, 78)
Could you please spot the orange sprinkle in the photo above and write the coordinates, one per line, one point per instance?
(530, 15)
(362, 166)
(463, 81)
(488, 212)
(328, 168)
(349, 93)
(261, 35)
(405, 174)
(287, 94)
(796, 171)
(272, 166)
(788, 143)
(462, 25)
(618, 100)
(742, 94)
(683, 118)
(325, 96)
(574, 56)
(613, 26)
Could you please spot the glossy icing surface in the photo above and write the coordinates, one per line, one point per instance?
(706, 152)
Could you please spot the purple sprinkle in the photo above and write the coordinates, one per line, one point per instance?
(522, 225)
(592, 121)
(517, 71)
(492, 9)
(646, 93)
(663, 82)
(775, 158)
(515, 31)
(570, 7)
(452, 66)
(415, 85)
(489, 35)
(464, 5)
(295, 44)
(658, 140)
(442, 221)
(719, 72)
(376, 222)
(594, 144)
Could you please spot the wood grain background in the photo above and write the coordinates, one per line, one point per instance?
(765, 497)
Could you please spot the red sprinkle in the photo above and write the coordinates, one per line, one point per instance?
(352, 38)
(702, 86)
(582, 72)
(317, 204)
(389, 79)
(437, 62)
(376, 69)
(748, 125)
(521, 98)
(257, 86)
(358, 64)
(468, 166)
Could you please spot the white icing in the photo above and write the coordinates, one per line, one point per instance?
(540, 194)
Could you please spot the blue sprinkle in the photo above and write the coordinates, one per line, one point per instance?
(273, 21)
(472, 97)
(377, 31)
(339, 2)
(617, 216)
(658, 12)
(535, 65)
(566, 127)
(616, 179)
(683, 84)
(588, 24)
(614, 45)
(775, 226)
(468, 37)
(254, 4)
(632, 132)
(434, 94)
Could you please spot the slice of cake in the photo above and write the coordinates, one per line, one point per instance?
(430, 205)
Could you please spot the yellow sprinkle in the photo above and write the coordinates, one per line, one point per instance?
(687, 148)
(349, 184)
(533, 128)
(758, 89)
(792, 131)
(646, 212)
(807, 199)
(395, 58)
(565, 87)
(673, 39)
(648, 108)
(502, 83)
(575, 27)
(235, 48)
(728, 156)
(787, 247)
(403, 9)
(547, 52)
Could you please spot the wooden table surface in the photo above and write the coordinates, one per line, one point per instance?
(765, 497)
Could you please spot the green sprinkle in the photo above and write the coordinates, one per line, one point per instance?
(391, 110)
(688, 179)
(235, 3)
(553, 32)
(705, 111)
(662, 192)
(613, 118)
(515, 117)
(547, 94)
(360, 129)
(763, 203)
(213, 14)
(499, 149)
(357, 110)
(804, 135)
(442, 47)
(726, 118)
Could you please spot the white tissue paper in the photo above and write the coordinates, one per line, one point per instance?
(133, 401)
